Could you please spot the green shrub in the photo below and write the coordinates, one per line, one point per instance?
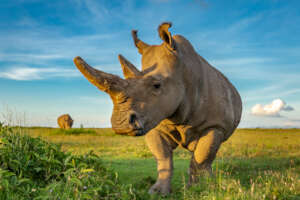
(75, 131)
(31, 168)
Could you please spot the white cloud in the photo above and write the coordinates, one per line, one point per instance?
(240, 61)
(161, 1)
(283, 89)
(244, 23)
(292, 124)
(31, 58)
(272, 109)
(27, 21)
(98, 10)
(100, 100)
(30, 73)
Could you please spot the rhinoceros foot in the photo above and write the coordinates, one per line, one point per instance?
(200, 177)
(162, 187)
(199, 172)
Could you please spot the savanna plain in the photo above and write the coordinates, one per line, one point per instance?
(49, 163)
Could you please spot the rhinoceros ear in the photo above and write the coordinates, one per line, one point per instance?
(165, 35)
(138, 43)
(129, 70)
(106, 82)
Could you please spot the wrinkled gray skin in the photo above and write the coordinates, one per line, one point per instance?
(65, 121)
(177, 99)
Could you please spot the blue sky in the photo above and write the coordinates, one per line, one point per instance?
(255, 43)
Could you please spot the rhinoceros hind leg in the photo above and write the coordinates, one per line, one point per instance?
(204, 154)
(161, 147)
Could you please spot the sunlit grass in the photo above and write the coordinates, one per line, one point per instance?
(251, 164)
(244, 143)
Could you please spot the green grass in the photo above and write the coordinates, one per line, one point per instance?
(252, 164)
(75, 131)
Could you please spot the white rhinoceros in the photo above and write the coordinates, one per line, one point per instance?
(65, 121)
(177, 99)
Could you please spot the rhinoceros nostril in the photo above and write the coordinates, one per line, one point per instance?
(132, 118)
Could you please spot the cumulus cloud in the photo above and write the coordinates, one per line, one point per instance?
(30, 73)
(292, 124)
(272, 109)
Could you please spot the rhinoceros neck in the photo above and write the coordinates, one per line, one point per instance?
(215, 101)
(193, 80)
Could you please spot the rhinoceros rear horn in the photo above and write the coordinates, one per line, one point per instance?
(138, 43)
(165, 35)
(129, 70)
(106, 82)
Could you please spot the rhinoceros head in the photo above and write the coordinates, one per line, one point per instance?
(144, 98)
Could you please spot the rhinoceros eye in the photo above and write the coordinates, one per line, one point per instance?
(156, 85)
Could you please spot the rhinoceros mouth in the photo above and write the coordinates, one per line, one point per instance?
(133, 132)
(137, 132)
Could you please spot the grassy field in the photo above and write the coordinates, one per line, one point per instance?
(252, 164)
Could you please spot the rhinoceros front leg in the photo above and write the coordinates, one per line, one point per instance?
(204, 154)
(161, 147)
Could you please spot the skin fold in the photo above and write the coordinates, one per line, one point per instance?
(177, 99)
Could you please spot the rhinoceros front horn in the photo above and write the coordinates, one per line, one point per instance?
(106, 82)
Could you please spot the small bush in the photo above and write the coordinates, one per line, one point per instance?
(31, 168)
(75, 131)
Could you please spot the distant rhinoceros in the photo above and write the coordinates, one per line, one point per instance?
(177, 99)
(65, 121)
